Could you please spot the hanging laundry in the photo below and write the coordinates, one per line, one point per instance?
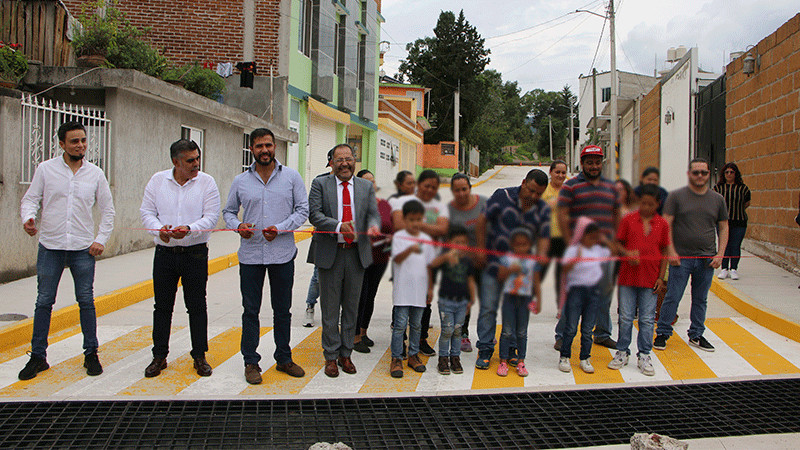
(225, 69)
(248, 70)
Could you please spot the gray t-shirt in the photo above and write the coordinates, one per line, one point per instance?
(469, 218)
(694, 227)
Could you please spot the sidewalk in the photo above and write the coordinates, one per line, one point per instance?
(766, 294)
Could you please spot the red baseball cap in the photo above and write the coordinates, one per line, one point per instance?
(590, 150)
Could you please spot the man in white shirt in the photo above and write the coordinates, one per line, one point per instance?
(180, 203)
(66, 187)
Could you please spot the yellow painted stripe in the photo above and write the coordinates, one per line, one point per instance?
(600, 357)
(489, 379)
(447, 185)
(380, 380)
(180, 372)
(307, 354)
(755, 352)
(9, 353)
(755, 311)
(681, 362)
(70, 371)
(19, 333)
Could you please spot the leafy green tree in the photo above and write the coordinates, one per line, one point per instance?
(545, 107)
(454, 57)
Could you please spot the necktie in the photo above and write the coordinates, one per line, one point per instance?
(347, 212)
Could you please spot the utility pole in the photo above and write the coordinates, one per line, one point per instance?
(614, 139)
(571, 137)
(456, 131)
(551, 137)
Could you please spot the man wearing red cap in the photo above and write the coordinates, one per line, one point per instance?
(590, 195)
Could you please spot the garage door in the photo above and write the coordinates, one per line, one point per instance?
(322, 137)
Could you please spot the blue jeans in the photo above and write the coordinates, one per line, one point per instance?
(734, 248)
(406, 316)
(487, 317)
(602, 329)
(701, 273)
(582, 302)
(251, 282)
(631, 298)
(452, 313)
(515, 325)
(313, 289)
(50, 266)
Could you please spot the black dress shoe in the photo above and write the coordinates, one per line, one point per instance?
(155, 367)
(361, 347)
(202, 367)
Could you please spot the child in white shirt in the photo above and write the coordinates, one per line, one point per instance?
(583, 261)
(410, 259)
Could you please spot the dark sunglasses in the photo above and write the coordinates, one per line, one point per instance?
(700, 172)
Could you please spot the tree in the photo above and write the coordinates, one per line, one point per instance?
(502, 121)
(544, 108)
(453, 58)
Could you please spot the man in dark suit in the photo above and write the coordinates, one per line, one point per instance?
(341, 207)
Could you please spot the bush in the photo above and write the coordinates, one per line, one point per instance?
(202, 81)
(13, 64)
(114, 37)
(128, 51)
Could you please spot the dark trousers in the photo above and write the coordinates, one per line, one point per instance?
(557, 248)
(251, 282)
(369, 289)
(734, 249)
(190, 266)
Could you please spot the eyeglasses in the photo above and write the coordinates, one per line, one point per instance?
(342, 160)
(698, 173)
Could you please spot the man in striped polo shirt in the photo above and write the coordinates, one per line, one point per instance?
(589, 194)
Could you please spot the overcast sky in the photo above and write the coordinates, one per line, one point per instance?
(540, 45)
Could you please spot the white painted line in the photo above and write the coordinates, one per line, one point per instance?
(59, 352)
(784, 346)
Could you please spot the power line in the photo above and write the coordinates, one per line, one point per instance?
(550, 46)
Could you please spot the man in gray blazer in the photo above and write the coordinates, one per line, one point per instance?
(341, 207)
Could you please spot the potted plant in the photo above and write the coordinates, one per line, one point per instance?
(95, 35)
(195, 78)
(175, 75)
(13, 65)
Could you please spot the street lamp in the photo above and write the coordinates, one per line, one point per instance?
(612, 155)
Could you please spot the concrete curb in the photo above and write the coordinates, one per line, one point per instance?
(20, 332)
(447, 185)
(755, 311)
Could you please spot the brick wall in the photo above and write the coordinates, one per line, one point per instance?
(204, 30)
(763, 139)
(434, 159)
(650, 129)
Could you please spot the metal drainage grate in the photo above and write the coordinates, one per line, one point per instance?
(519, 420)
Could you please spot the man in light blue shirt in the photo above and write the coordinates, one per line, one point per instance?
(274, 202)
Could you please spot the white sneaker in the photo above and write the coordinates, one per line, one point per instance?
(734, 275)
(563, 365)
(309, 322)
(723, 274)
(620, 360)
(646, 366)
(586, 366)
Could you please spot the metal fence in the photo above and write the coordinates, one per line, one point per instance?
(40, 121)
(247, 155)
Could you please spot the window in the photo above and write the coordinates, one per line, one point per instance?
(304, 31)
(606, 96)
(448, 148)
(247, 155)
(196, 135)
(338, 51)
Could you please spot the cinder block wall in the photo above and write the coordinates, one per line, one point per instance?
(650, 129)
(763, 139)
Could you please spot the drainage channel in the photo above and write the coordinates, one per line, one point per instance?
(573, 418)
